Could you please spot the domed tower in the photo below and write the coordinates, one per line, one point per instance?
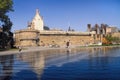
(37, 22)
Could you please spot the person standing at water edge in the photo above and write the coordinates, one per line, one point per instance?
(67, 44)
(20, 49)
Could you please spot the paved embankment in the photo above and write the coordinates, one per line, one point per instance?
(29, 49)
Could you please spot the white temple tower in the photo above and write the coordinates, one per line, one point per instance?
(37, 22)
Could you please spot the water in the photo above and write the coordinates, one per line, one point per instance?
(65, 64)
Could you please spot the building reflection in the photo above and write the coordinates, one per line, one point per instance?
(40, 60)
(35, 59)
(65, 56)
(98, 58)
(6, 67)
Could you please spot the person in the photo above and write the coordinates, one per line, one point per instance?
(67, 44)
(20, 49)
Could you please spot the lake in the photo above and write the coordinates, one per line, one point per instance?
(100, 63)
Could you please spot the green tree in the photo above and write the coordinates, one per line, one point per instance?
(46, 28)
(109, 38)
(5, 7)
(6, 36)
(112, 39)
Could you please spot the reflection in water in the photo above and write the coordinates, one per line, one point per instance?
(98, 59)
(36, 60)
(66, 64)
(6, 68)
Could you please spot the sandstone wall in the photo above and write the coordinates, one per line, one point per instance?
(26, 37)
(47, 38)
(62, 39)
(116, 34)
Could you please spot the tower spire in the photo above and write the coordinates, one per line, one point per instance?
(37, 11)
(37, 21)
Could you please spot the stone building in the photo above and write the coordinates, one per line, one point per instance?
(35, 35)
(26, 37)
(37, 22)
(110, 30)
(102, 30)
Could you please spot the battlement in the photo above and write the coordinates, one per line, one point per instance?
(26, 30)
(64, 33)
(55, 32)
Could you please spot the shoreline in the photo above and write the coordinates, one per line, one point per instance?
(33, 49)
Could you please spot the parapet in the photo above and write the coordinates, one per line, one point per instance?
(64, 33)
(26, 30)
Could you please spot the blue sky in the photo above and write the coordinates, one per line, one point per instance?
(62, 13)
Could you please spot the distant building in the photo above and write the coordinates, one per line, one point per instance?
(112, 30)
(37, 35)
(100, 31)
(37, 22)
(103, 29)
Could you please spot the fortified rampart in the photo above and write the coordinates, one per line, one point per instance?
(61, 37)
(47, 38)
(116, 34)
(26, 37)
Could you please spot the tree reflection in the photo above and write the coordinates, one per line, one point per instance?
(6, 67)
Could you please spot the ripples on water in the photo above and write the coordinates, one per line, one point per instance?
(66, 64)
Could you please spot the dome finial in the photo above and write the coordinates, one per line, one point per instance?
(37, 11)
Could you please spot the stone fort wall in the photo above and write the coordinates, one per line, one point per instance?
(26, 37)
(116, 34)
(47, 38)
(62, 39)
